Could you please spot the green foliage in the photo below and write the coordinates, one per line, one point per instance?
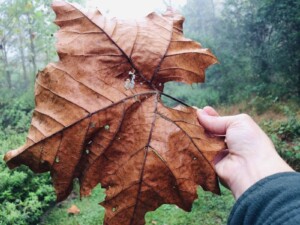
(286, 137)
(24, 196)
(26, 40)
(16, 112)
(193, 95)
(262, 105)
(256, 42)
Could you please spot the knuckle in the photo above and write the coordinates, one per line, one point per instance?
(244, 117)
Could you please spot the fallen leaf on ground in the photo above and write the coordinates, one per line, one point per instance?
(74, 210)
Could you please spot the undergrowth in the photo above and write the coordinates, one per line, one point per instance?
(24, 196)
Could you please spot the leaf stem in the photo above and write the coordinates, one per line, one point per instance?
(175, 99)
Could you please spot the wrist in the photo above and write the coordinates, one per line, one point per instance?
(254, 171)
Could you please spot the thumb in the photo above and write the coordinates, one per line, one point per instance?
(214, 124)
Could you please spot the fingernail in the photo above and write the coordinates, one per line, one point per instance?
(202, 112)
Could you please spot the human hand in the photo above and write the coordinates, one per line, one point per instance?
(251, 156)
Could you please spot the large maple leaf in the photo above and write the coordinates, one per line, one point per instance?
(99, 116)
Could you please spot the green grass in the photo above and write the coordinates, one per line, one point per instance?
(91, 213)
(208, 209)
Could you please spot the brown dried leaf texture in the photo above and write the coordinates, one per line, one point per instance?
(89, 124)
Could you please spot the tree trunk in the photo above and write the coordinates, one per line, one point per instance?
(6, 66)
(32, 46)
(25, 76)
(33, 54)
(213, 9)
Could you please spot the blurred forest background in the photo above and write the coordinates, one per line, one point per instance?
(257, 43)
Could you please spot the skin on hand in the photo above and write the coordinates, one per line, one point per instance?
(251, 156)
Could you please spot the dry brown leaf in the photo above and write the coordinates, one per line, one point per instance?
(99, 116)
(74, 210)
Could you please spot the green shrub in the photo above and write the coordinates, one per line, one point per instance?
(24, 196)
(16, 112)
(261, 105)
(9, 214)
(286, 138)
